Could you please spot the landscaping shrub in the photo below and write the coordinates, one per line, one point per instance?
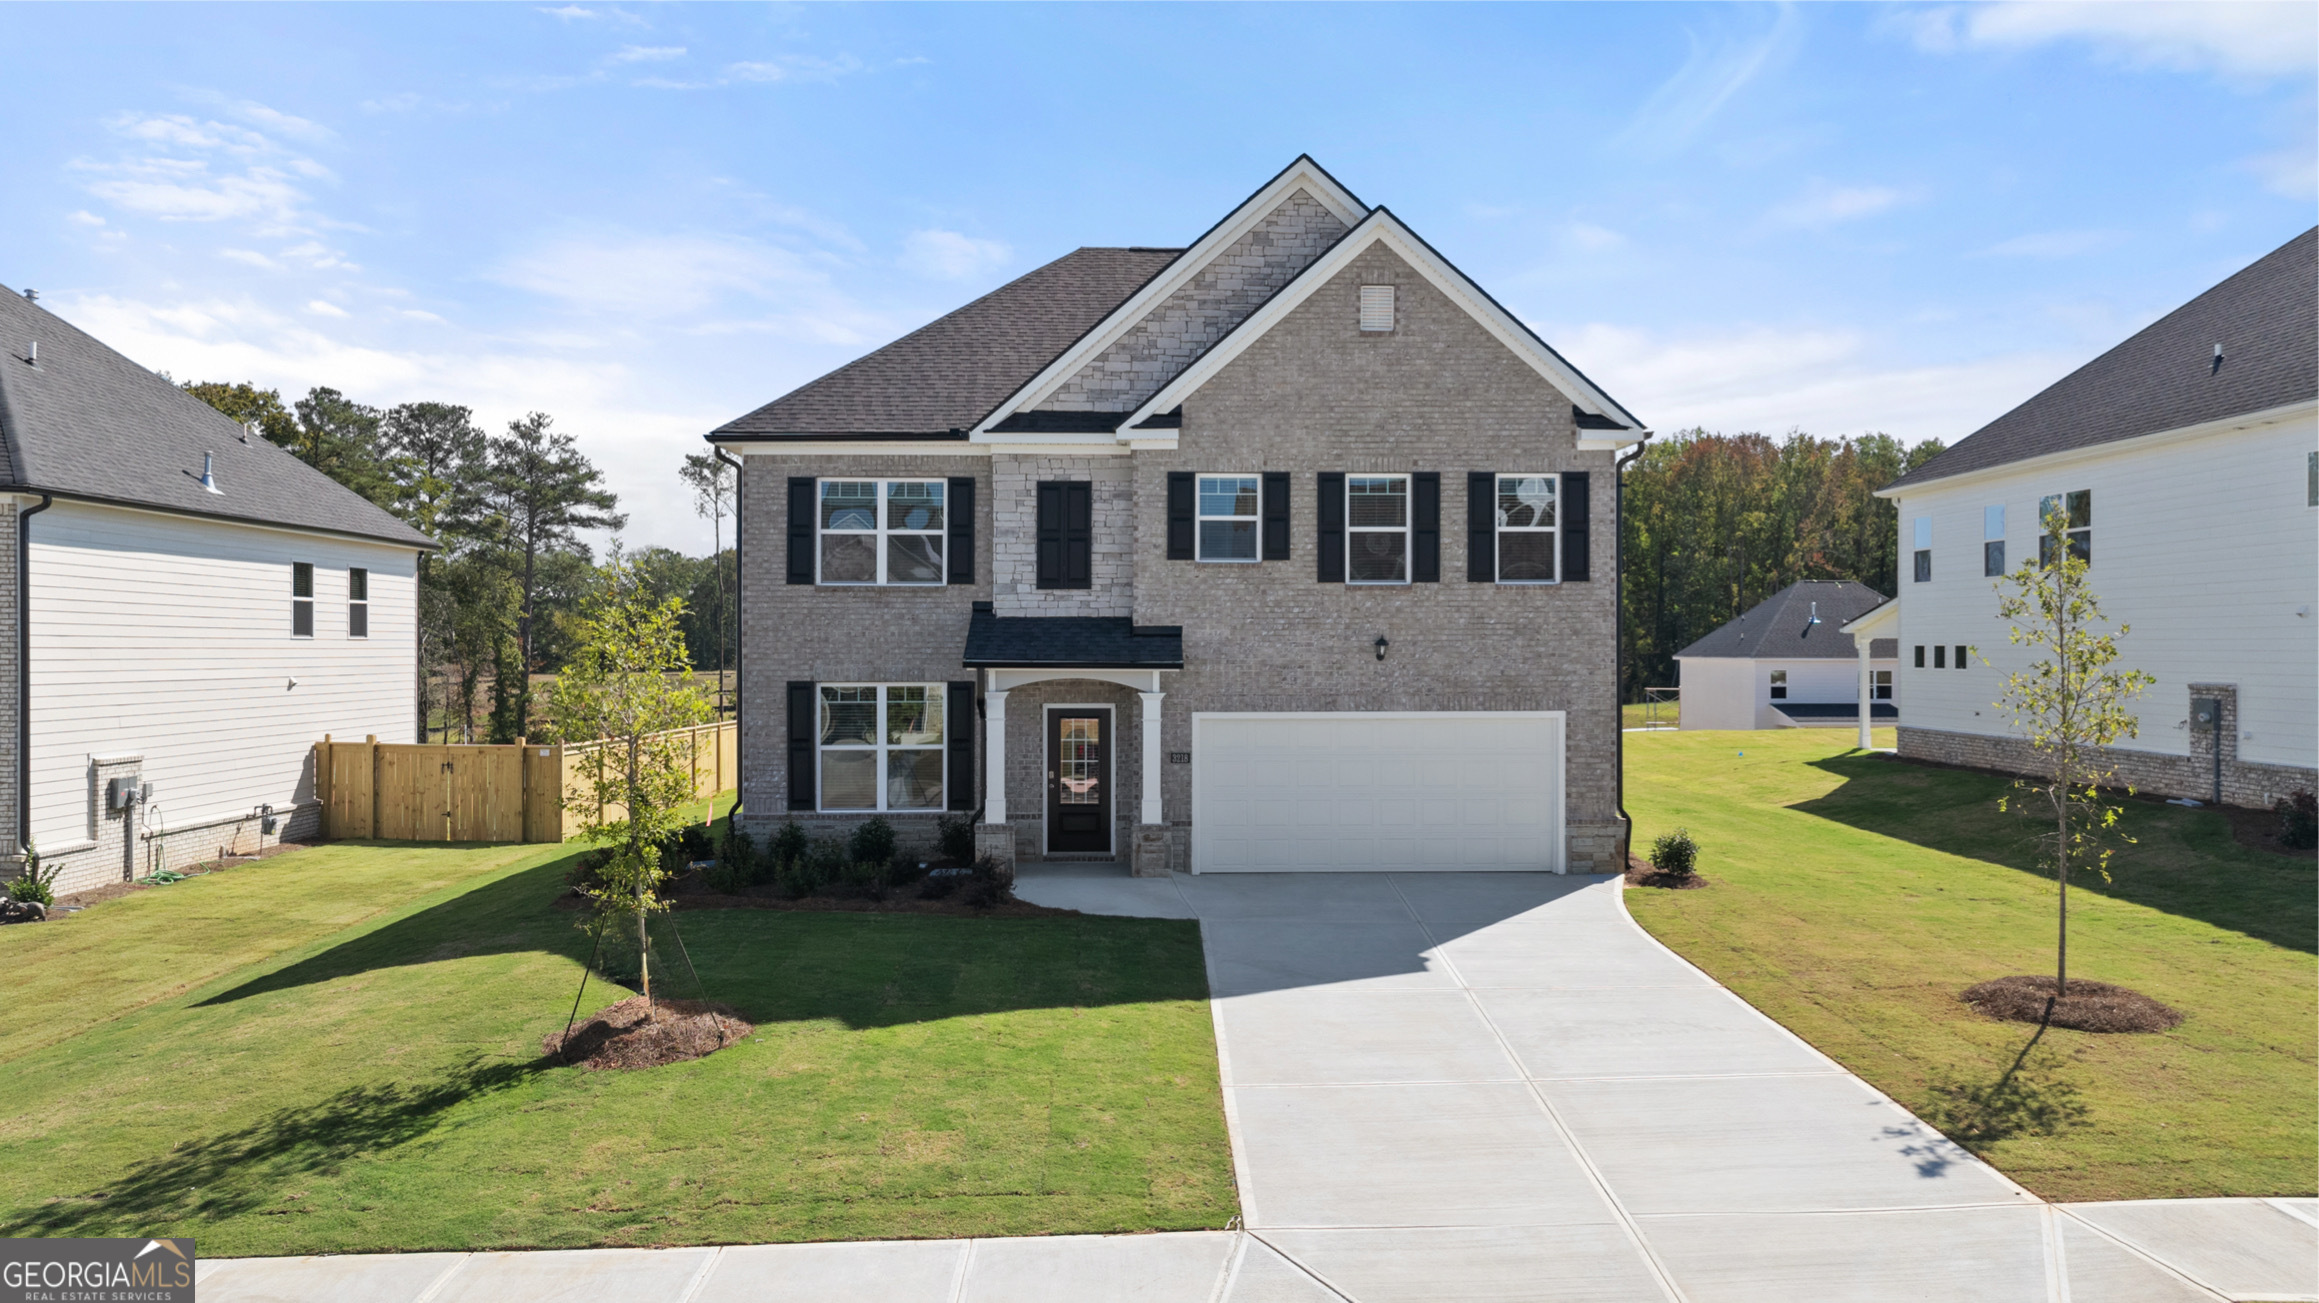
(862, 880)
(823, 864)
(1675, 854)
(873, 842)
(992, 883)
(2298, 820)
(737, 852)
(940, 886)
(954, 837)
(34, 887)
(788, 845)
(587, 872)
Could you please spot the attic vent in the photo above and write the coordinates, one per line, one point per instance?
(1376, 307)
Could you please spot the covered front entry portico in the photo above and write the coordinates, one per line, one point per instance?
(1072, 736)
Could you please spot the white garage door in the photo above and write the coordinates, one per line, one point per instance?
(1447, 790)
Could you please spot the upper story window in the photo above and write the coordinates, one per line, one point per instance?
(1377, 529)
(1923, 553)
(881, 747)
(301, 599)
(358, 603)
(1527, 536)
(881, 531)
(2078, 527)
(1779, 685)
(1228, 517)
(1993, 541)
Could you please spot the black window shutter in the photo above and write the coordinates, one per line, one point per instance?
(801, 523)
(1050, 536)
(961, 509)
(1481, 527)
(960, 722)
(801, 767)
(1331, 536)
(1276, 545)
(1577, 521)
(1425, 527)
(1078, 534)
(1181, 521)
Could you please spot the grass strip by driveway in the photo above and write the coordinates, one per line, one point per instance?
(1854, 896)
(383, 1088)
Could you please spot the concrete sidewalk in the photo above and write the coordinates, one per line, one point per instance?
(1454, 1086)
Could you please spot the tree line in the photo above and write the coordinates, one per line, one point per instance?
(1715, 523)
(501, 602)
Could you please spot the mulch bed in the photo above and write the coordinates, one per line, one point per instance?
(2259, 829)
(690, 892)
(1641, 874)
(639, 1034)
(2089, 1006)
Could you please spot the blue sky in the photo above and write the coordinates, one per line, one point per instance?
(647, 219)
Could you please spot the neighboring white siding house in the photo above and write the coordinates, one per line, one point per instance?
(1787, 663)
(195, 639)
(2194, 482)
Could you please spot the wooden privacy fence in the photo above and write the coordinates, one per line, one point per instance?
(427, 792)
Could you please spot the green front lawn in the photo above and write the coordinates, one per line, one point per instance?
(1855, 896)
(338, 1050)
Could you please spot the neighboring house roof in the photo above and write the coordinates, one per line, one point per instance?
(85, 422)
(939, 380)
(2166, 377)
(1070, 642)
(1780, 626)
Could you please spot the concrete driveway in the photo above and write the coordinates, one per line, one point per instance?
(1476, 1087)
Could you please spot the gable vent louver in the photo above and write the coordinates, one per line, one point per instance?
(1376, 307)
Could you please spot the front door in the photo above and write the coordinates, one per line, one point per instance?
(1079, 782)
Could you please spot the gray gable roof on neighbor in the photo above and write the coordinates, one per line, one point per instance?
(1780, 626)
(941, 379)
(2165, 377)
(85, 422)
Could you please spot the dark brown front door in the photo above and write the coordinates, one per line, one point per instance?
(1079, 782)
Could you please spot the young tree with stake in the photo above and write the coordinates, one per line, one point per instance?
(2069, 705)
(629, 682)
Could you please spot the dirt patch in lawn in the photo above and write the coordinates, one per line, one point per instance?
(1641, 874)
(637, 1033)
(2089, 1006)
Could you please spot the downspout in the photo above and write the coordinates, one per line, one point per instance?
(740, 645)
(24, 517)
(1619, 643)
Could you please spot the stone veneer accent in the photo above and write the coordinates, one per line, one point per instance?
(1220, 297)
(1014, 545)
(2245, 783)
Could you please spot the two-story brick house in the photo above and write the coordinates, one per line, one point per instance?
(1291, 549)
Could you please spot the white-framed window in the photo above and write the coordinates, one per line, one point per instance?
(1992, 541)
(2078, 507)
(882, 531)
(1923, 550)
(357, 603)
(881, 747)
(1228, 515)
(1881, 686)
(1527, 537)
(1779, 685)
(301, 599)
(1377, 529)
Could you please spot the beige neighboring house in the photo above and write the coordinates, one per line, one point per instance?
(1288, 549)
(2187, 461)
(1788, 663)
(187, 610)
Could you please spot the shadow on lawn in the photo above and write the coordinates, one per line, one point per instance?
(245, 1171)
(2183, 861)
(865, 970)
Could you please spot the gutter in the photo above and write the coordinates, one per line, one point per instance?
(24, 517)
(1618, 600)
(740, 642)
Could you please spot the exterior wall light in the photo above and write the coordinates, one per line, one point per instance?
(1381, 646)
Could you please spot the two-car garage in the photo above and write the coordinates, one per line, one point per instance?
(1377, 791)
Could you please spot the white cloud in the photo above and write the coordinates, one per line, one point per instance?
(274, 120)
(2290, 172)
(250, 257)
(1717, 68)
(793, 67)
(648, 53)
(182, 169)
(85, 218)
(1820, 381)
(1586, 237)
(325, 308)
(652, 276)
(420, 314)
(947, 255)
(2053, 244)
(2236, 39)
(1826, 205)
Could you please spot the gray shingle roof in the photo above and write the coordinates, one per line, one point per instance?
(1070, 641)
(1780, 626)
(2266, 317)
(948, 374)
(87, 422)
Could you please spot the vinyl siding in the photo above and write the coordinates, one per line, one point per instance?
(170, 637)
(2204, 547)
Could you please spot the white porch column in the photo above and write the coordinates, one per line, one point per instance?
(1151, 755)
(994, 778)
(1867, 689)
